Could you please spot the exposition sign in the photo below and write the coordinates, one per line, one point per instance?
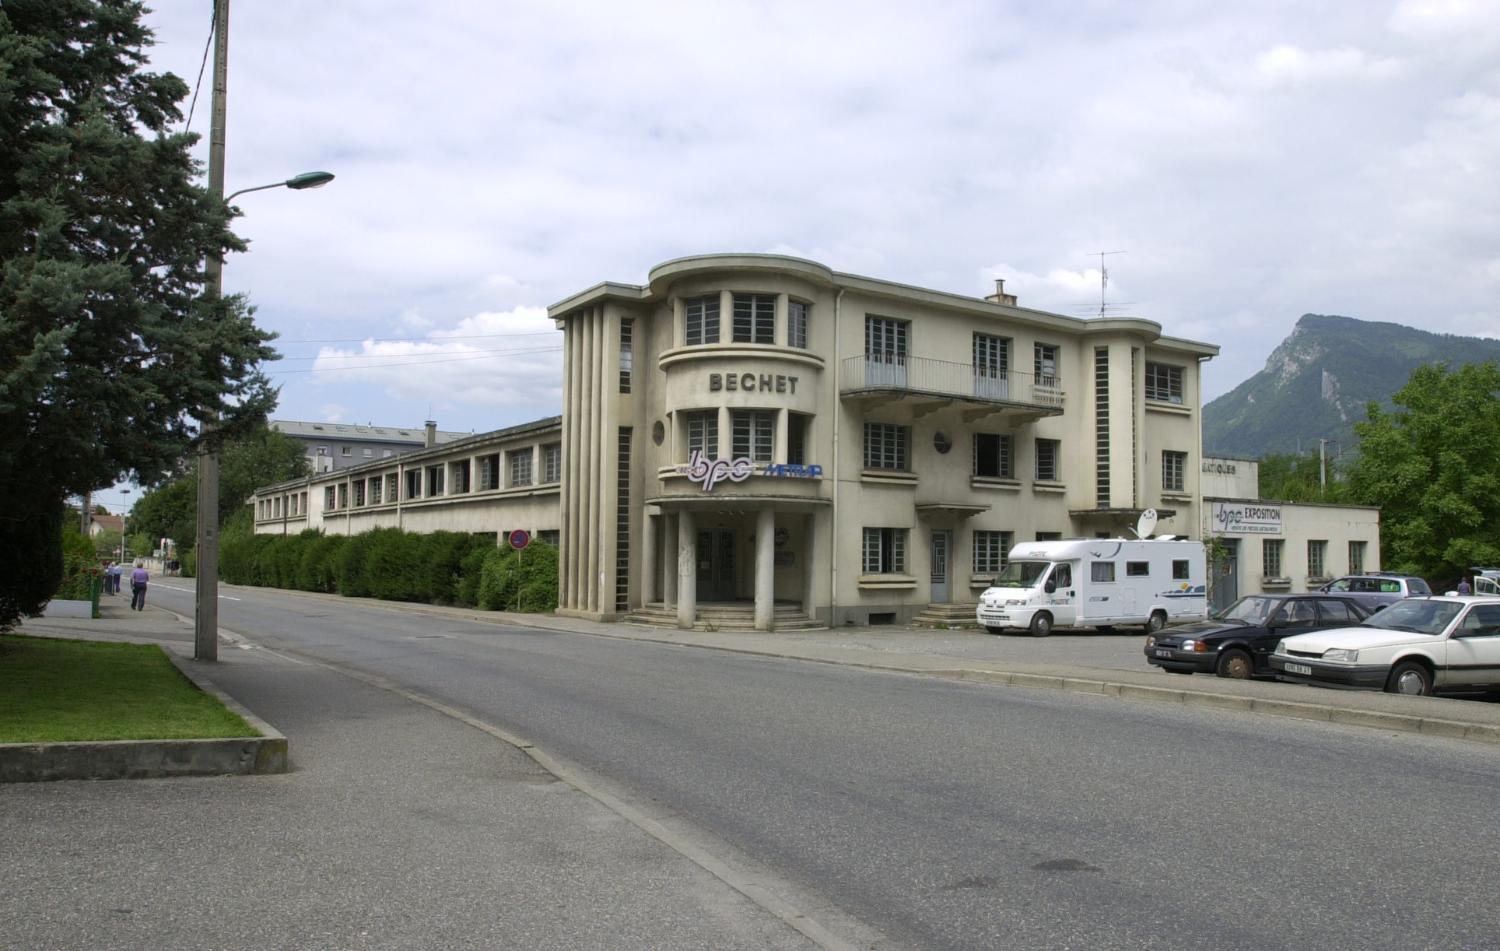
(1244, 518)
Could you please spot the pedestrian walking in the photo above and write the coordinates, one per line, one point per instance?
(138, 580)
(112, 577)
(1464, 587)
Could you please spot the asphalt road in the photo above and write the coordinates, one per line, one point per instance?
(952, 815)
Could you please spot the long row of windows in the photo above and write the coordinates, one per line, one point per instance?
(752, 320)
(1317, 557)
(884, 550)
(295, 506)
(458, 477)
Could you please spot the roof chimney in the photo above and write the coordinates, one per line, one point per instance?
(431, 434)
(1000, 297)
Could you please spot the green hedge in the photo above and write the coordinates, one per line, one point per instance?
(388, 563)
(81, 568)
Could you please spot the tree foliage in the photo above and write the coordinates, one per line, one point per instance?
(110, 357)
(1433, 467)
(1290, 477)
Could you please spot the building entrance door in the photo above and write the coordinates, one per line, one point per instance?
(1225, 576)
(940, 546)
(716, 579)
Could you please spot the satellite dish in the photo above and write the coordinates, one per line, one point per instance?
(1146, 524)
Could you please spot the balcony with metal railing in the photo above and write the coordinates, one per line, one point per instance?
(928, 385)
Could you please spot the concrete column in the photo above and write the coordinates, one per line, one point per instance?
(668, 564)
(726, 316)
(782, 301)
(687, 570)
(586, 422)
(809, 563)
(648, 558)
(783, 424)
(765, 568)
(726, 435)
(679, 322)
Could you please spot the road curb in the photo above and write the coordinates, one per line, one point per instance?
(152, 759)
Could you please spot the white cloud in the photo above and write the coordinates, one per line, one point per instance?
(1285, 64)
(1444, 18)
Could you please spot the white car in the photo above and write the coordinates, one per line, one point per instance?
(1415, 646)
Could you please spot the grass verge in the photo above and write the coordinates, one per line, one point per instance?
(59, 690)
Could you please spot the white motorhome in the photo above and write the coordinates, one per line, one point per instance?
(1097, 582)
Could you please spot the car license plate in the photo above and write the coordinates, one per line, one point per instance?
(1302, 669)
(1162, 653)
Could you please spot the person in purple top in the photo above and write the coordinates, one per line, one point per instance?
(138, 579)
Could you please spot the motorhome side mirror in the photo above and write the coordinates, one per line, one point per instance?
(1050, 587)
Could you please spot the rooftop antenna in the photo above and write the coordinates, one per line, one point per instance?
(1103, 278)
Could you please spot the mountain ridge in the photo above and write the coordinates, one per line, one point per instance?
(1317, 382)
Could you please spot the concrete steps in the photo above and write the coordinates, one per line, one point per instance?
(947, 616)
(725, 616)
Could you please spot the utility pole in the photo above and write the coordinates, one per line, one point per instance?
(206, 614)
(1322, 466)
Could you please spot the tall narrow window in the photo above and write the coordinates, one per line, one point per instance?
(703, 433)
(753, 432)
(1101, 426)
(627, 355)
(702, 319)
(992, 456)
(552, 463)
(458, 476)
(622, 520)
(1173, 471)
(434, 480)
(1356, 558)
(885, 341)
(376, 484)
(1044, 363)
(754, 318)
(885, 446)
(330, 498)
(796, 438)
(520, 466)
(991, 367)
(1047, 463)
(796, 324)
(1317, 558)
(884, 551)
(1270, 557)
(359, 493)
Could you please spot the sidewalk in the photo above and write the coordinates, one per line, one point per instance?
(397, 827)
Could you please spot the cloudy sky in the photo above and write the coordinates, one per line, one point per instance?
(1254, 161)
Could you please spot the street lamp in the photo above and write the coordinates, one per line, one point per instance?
(206, 611)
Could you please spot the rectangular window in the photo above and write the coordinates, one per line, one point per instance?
(414, 483)
(376, 484)
(343, 495)
(392, 482)
(322, 450)
(703, 433)
(796, 324)
(1356, 558)
(1173, 471)
(1137, 569)
(627, 355)
(885, 341)
(549, 536)
(1270, 557)
(885, 551)
(385, 453)
(885, 446)
(1044, 363)
(991, 550)
(796, 438)
(1049, 536)
(992, 455)
(702, 319)
(1047, 468)
(991, 357)
(752, 432)
(1102, 571)
(1317, 557)
(359, 493)
(1163, 382)
(520, 466)
(434, 481)
(754, 318)
(369, 453)
(346, 451)
(552, 463)
(458, 476)
(1180, 570)
(489, 472)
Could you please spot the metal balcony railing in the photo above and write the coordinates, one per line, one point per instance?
(875, 372)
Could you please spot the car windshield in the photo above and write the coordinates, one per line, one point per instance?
(1248, 610)
(1021, 574)
(1418, 617)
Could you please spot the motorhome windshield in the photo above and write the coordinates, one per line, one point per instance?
(1021, 574)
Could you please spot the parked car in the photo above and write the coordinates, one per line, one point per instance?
(1416, 646)
(1237, 641)
(1378, 588)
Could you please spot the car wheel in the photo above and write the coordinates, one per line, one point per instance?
(1410, 677)
(1235, 664)
(1157, 621)
(1041, 624)
(997, 631)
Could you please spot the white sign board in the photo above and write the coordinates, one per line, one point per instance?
(1246, 518)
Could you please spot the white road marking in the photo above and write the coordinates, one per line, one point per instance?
(169, 587)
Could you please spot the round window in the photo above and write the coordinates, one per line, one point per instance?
(658, 432)
(941, 442)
